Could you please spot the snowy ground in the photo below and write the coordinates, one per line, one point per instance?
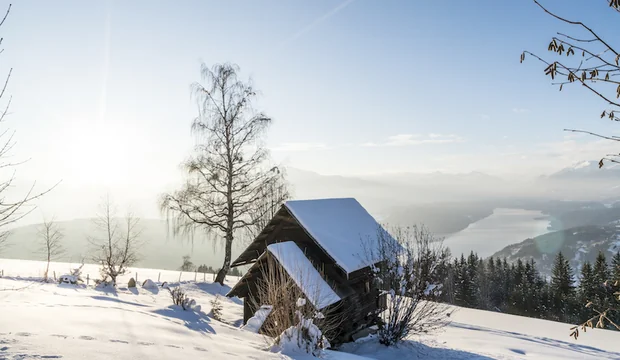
(39, 321)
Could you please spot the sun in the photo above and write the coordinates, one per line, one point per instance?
(99, 153)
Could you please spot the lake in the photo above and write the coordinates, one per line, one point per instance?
(502, 228)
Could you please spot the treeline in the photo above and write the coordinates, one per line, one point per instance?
(189, 266)
(519, 288)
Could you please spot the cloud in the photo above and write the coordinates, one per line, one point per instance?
(519, 110)
(417, 139)
(300, 146)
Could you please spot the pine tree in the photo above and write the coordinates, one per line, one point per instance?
(562, 289)
(472, 274)
(615, 267)
(484, 286)
(587, 284)
(518, 294)
(587, 289)
(602, 275)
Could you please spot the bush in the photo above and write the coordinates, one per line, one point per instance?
(410, 282)
(304, 337)
(180, 298)
(131, 283)
(216, 308)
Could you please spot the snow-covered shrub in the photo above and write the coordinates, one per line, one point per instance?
(304, 337)
(68, 279)
(74, 276)
(255, 323)
(149, 284)
(180, 298)
(410, 281)
(216, 308)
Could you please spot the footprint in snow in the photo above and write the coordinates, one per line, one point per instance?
(119, 341)
(84, 337)
(145, 343)
(60, 336)
(23, 334)
(518, 351)
(174, 346)
(200, 349)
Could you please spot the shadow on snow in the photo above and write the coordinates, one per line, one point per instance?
(196, 321)
(578, 348)
(408, 349)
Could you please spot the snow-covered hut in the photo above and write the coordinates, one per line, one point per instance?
(326, 246)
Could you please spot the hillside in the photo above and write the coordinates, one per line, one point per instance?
(160, 249)
(578, 244)
(50, 321)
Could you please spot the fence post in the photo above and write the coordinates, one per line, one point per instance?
(180, 277)
(204, 277)
(54, 275)
(136, 277)
(195, 274)
(158, 277)
(87, 279)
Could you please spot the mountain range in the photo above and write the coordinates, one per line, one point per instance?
(578, 244)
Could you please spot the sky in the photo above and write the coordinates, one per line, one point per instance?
(101, 90)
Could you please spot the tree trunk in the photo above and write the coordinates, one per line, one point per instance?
(221, 275)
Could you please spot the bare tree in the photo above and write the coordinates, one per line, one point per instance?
(274, 194)
(227, 172)
(591, 62)
(12, 209)
(51, 236)
(410, 281)
(116, 249)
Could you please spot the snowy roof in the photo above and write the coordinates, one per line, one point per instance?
(301, 270)
(342, 227)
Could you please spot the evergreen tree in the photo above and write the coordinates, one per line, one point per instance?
(602, 275)
(472, 275)
(533, 288)
(615, 267)
(587, 284)
(587, 290)
(518, 294)
(484, 286)
(562, 289)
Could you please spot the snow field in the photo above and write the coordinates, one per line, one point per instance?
(39, 320)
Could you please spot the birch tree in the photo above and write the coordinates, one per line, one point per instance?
(227, 172)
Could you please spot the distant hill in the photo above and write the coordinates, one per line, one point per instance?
(160, 249)
(577, 244)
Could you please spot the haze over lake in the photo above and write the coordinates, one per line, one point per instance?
(491, 234)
